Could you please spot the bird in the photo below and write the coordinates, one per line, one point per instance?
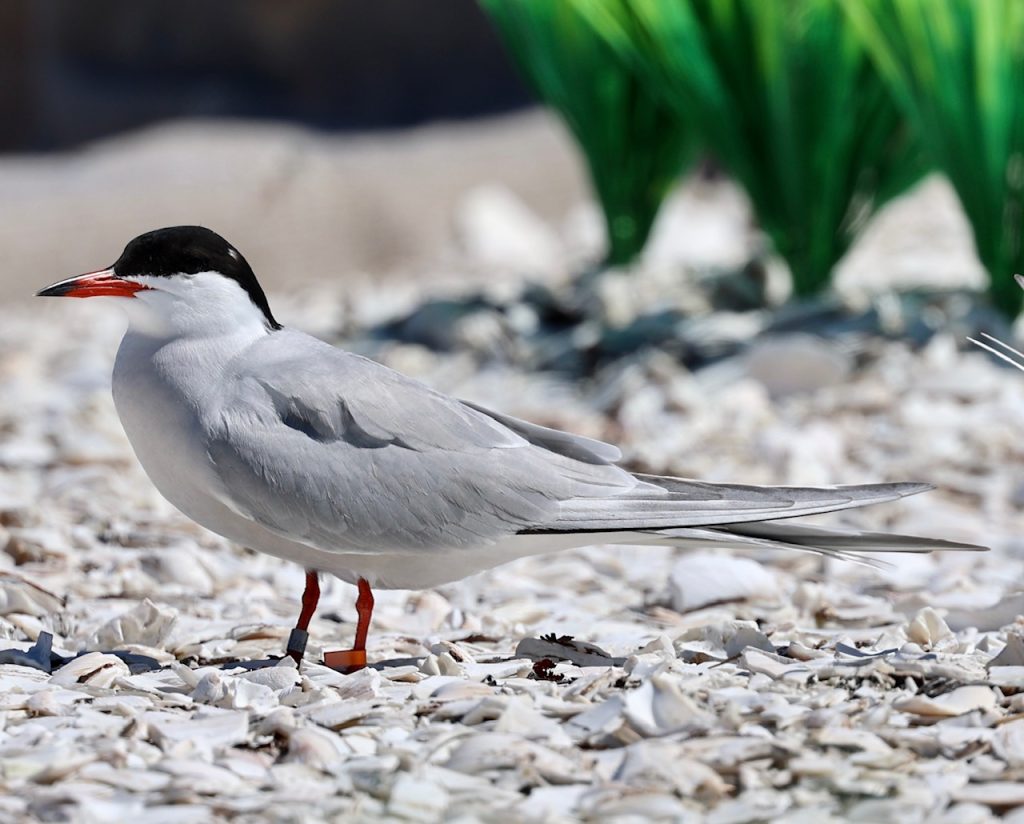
(288, 445)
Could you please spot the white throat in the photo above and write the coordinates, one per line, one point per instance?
(205, 304)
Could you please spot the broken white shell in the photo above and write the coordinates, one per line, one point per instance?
(94, 668)
(705, 578)
(958, 702)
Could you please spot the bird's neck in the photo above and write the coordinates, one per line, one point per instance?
(172, 320)
(191, 341)
(193, 370)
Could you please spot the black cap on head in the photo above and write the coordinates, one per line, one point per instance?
(186, 250)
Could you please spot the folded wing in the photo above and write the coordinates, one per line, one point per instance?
(336, 451)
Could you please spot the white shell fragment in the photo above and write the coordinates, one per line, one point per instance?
(797, 363)
(580, 653)
(957, 702)
(22, 596)
(202, 732)
(928, 628)
(999, 794)
(709, 578)
(145, 624)
(93, 668)
(416, 798)
(1012, 655)
(660, 707)
(1008, 743)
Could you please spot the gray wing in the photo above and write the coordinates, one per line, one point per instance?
(341, 453)
(336, 451)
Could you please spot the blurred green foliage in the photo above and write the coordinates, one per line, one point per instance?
(821, 109)
(788, 101)
(957, 66)
(635, 145)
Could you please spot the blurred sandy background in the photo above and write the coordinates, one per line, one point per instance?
(302, 206)
(337, 142)
(323, 138)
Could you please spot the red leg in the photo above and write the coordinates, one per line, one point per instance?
(354, 659)
(300, 635)
(364, 609)
(310, 598)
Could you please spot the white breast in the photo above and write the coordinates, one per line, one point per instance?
(158, 415)
(160, 425)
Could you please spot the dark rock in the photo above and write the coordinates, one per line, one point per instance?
(434, 324)
(567, 331)
(737, 291)
(658, 329)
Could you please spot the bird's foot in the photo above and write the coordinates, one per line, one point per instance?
(346, 660)
(297, 644)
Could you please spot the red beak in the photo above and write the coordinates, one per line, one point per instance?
(103, 283)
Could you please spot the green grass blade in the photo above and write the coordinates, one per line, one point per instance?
(957, 68)
(635, 145)
(788, 100)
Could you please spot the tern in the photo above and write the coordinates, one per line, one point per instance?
(290, 446)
